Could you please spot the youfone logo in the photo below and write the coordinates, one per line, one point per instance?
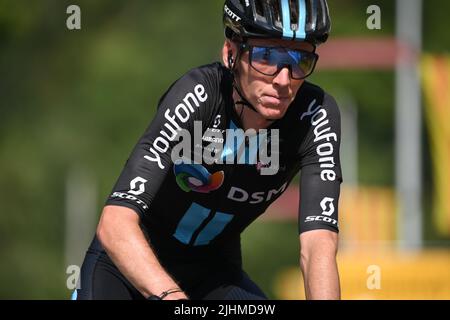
(137, 186)
(171, 129)
(195, 177)
(231, 14)
(323, 133)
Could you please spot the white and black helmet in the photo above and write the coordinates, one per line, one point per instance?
(296, 20)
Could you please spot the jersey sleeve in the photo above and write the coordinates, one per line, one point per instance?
(321, 175)
(189, 99)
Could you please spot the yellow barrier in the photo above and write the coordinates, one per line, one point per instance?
(367, 214)
(384, 275)
(436, 82)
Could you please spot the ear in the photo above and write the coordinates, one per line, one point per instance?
(228, 48)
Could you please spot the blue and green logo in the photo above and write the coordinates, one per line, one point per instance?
(195, 177)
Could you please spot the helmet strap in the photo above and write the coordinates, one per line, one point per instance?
(243, 101)
(232, 66)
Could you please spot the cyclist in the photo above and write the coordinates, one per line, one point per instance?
(171, 229)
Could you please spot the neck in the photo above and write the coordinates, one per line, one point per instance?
(249, 118)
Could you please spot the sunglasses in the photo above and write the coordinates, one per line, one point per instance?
(271, 60)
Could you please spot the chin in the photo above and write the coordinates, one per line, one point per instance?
(273, 113)
(273, 116)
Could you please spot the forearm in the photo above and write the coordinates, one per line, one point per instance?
(126, 245)
(321, 277)
(319, 266)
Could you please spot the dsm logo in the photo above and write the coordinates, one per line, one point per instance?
(195, 177)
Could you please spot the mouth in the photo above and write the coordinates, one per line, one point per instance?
(273, 100)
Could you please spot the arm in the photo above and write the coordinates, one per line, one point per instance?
(318, 264)
(144, 173)
(320, 181)
(126, 245)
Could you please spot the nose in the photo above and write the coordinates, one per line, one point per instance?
(283, 78)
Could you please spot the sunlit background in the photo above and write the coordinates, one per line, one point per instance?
(74, 102)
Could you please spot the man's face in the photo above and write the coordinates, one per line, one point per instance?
(270, 95)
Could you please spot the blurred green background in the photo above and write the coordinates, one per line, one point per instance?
(79, 100)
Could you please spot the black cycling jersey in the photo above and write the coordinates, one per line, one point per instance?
(193, 214)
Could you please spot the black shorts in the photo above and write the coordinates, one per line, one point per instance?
(101, 280)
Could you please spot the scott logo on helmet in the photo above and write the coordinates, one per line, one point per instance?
(231, 14)
(295, 20)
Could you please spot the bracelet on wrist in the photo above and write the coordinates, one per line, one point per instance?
(164, 294)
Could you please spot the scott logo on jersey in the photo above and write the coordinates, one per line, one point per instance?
(137, 186)
(327, 206)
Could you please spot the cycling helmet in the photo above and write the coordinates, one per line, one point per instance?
(296, 20)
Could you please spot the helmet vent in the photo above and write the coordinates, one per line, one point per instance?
(276, 11)
(259, 7)
(293, 8)
(320, 13)
(311, 14)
